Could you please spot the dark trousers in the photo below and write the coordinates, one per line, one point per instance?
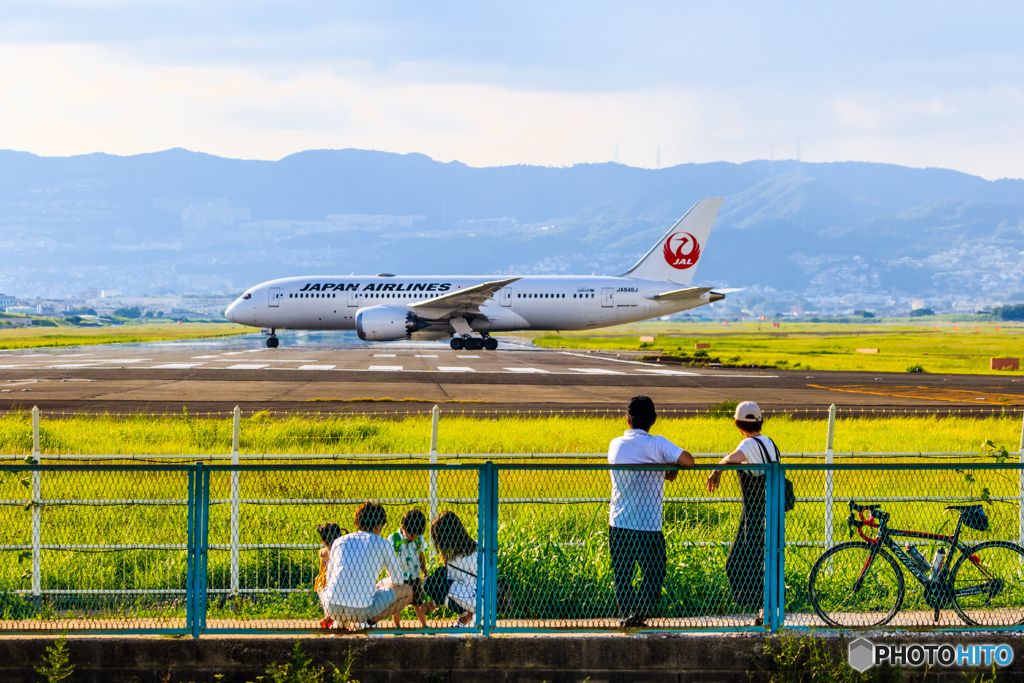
(630, 548)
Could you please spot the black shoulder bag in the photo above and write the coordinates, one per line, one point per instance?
(790, 494)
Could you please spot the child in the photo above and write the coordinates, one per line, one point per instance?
(457, 590)
(328, 534)
(410, 549)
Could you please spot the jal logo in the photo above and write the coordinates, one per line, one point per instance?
(681, 250)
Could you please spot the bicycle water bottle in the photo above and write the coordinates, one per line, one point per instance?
(940, 556)
(917, 557)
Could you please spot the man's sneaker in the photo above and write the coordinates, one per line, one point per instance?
(635, 620)
(326, 622)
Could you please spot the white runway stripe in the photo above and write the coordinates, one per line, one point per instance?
(526, 370)
(425, 356)
(393, 368)
(247, 366)
(467, 356)
(174, 366)
(454, 368)
(316, 367)
(597, 371)
(667, 372)
(383, 355)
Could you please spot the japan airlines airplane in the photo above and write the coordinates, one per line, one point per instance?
(389, 307)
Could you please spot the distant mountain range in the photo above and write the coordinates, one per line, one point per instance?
(179, 221)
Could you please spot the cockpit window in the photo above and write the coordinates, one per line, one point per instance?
(248, 295)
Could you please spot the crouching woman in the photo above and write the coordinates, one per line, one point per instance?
(454, 585)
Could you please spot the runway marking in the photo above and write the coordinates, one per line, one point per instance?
(9, 367)
(425, 356)
(388, 368)
(174, 366)
(67, 366)
(528, 370)
(467, 356)
(316, 367)
(668, 372)
(235, 353)
(454, 368)
(119, 360)
(383, 355)
(247, 366)
(204, 357)
(928, 393)
(598, 371)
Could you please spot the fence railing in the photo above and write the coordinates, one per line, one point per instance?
(228, 548)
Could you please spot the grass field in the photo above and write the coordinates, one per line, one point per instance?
(814, 347)
(360, 434)
(155, 330)
(552, 555)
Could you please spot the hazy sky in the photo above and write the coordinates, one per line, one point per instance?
(919, 84)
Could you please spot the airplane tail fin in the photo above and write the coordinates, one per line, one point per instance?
(674, 258)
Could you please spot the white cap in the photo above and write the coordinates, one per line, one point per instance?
(748, 411)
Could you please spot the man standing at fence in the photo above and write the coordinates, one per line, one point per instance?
(635, 514)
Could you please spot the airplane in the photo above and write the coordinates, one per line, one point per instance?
(389, 307)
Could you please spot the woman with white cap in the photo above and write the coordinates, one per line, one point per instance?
(745, 564)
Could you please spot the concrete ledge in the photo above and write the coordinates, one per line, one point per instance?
(436, 659)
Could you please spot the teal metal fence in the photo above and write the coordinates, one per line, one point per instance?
(216, 549)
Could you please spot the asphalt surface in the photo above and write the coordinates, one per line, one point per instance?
(337, 373)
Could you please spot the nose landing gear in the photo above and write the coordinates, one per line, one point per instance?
(272, 340)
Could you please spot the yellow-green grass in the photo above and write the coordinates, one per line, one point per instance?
(942, 351)
(362, 434)
(162, 330)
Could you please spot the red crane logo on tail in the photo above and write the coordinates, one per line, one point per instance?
(681, 250)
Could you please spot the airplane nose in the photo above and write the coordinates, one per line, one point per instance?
(230, 313)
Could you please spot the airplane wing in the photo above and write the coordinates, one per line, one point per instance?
(676, 294)
(469, 299)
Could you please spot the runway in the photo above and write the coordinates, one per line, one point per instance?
(335, 372)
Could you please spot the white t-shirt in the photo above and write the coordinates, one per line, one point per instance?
(637, 496)
(355, 562)
(462, 572)
(754, 455)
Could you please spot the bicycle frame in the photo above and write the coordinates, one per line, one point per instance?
(885, 537)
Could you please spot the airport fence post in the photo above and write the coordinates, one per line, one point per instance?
(235, 460)
(201, 544)
(37, 512)
(828, 475)
(1020, 505)
(491, 574)
(435, 417)
(482, 521)
(190, 574)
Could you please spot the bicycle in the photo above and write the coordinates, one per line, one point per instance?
(860, 583)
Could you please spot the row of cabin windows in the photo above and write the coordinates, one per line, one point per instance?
(371, 295)
(388, 295)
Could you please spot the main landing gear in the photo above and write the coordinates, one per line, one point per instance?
(272, 341)
(473, 343)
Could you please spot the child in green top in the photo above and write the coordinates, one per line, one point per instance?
(410, 548)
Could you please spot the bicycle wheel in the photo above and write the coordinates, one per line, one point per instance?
(988, 585)
(831, 586)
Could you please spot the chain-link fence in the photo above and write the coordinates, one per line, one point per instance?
(194, 549)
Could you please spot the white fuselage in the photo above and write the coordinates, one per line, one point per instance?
(533, 302)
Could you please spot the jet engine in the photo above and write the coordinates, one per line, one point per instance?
(386, 323)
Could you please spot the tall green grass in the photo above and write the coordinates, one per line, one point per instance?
(263, 433)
